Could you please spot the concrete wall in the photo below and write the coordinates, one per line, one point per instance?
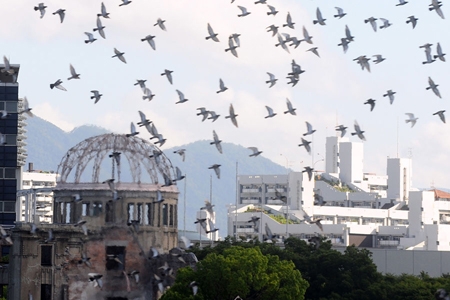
(397, 262)
(332, 154)
(351, 157)
(399, 178)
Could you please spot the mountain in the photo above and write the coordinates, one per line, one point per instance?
(47, 144)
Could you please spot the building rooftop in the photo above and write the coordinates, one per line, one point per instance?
(438, 194)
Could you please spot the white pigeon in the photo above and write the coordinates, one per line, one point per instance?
(390, 94)
(147, 94)
(26, 109)
(119, 55)
(255, 151)
(411, 119)
(306, 37)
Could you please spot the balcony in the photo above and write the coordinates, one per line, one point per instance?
(387, 243)
(250, 191)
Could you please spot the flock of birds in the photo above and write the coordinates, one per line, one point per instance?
(286, 42)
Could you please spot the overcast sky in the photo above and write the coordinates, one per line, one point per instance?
(331, 91)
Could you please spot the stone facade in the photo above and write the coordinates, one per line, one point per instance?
(54, 269)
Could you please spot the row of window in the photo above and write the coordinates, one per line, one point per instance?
(7, 173)
(153, 214)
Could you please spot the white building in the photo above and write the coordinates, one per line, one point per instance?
(365, 209)
(36, 196)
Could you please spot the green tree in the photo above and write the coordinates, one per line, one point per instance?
(244, 272)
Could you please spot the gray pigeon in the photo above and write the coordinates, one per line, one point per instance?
(61, 14)
(119, 55)
(441, 115)
(433, 87)
(216, 142)
(320, 20)
(212, 34)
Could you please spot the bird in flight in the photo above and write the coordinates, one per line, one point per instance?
(411, 119)
(119, 55)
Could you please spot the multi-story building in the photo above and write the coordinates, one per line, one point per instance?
(12, 153)
(36, 196)
(365, 209)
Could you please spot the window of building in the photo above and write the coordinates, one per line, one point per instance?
(46, 255)
(109, 215)
(146, 214)
(97, 209)
(9, 206)
(11, 106)
(171, 215)
(159, 215)
(114, 254)
(175, 222)
(165, 214)
(10, 173)
(68, 212)
(140, 213)
(3, 291)
(46, 292)
(131, 209)
(85, 209)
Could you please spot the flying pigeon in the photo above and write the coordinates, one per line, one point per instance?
(270, 112)
(372, 22)
(386, 23)
(379, 58)
(272, 11)
(57, 85)
(96, 96)
(289, 22)
(411, 119)
(390, 94)
(273, 29)
(168, 74)
(439, 55)
(160, 23)
(320, 20)
(340, 13)
(147, 94)
(90, 39)
(100, 28)
(305, 144)
(371, 102)
(41, 7)
(232, 116)
(342, 129)
(309, 129)
(222, 86)
(290, 110)
(272, 79)
(216, 142)
(212, 34)
(433, 87)
(132, 130)
(435, 5)
(244, 11)
(308, 170)
(441, 115)
(306, 37)
(61, 14)
(125, 2)
(358, 131)
(216, 169)
(413, 20)
(232, 47)
(255, 151)
(103, 12)
(314, 50)
(73, 73)
(150, 39)
(181, 152)
(119, 55)
(203, 112)
(401, 2)
(213, 116)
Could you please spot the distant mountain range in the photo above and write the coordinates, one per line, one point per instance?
(47, 144)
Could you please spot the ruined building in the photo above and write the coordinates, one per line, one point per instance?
(123, 221)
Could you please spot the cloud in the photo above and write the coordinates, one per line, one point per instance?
(47, 112)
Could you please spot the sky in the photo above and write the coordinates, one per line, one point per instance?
(331, 91)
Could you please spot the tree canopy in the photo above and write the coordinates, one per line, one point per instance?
(244, 272)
